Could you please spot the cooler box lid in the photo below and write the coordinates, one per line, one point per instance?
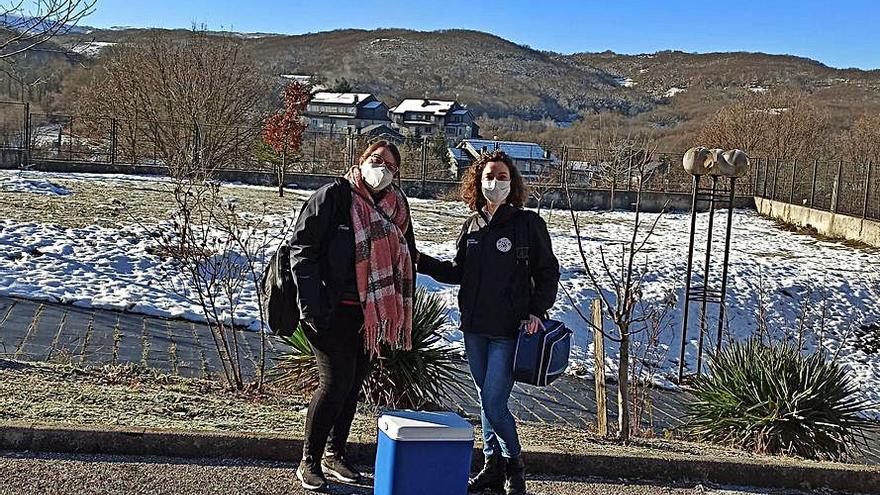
(415, 426)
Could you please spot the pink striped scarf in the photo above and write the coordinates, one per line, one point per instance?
(383, 265)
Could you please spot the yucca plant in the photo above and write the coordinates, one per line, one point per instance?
(418, 378)
(296, 369)
(773, 399)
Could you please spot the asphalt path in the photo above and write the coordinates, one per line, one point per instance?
(47, 473)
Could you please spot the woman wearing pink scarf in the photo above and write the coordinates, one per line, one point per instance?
(351, 256)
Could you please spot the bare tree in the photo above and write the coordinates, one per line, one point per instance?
(28, 24)
(781, 124)
(861, 142)
(213, 255)
(620, 294)
(199, 103)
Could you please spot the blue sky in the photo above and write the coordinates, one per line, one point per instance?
(842, 33)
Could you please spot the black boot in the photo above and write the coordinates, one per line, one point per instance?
(515, 475)
(491, 477)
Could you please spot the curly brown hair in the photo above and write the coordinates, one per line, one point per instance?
(471, 185)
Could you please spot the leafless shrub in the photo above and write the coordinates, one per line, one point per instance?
(779, 124)
(198, 102)
(212, 255)
(620, 293)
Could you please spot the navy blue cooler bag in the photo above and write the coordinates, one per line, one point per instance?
(542, 357)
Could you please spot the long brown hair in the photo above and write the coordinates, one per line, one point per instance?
(471, 185)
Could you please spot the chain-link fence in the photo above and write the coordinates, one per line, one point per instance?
(842, 187)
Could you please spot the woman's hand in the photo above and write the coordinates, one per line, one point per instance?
(533, 324)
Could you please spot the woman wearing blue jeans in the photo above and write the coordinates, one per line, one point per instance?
(498, 296)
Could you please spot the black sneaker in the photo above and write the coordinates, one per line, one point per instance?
(309, 474)
(338, 468)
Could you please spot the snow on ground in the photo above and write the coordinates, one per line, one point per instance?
(794, 280)
(16, 183)
(91, 48)
(626, 82)
(673, 91)
(758, 89)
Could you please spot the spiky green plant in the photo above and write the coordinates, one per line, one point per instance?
(296, 369)
(417, 378)
(773, 399)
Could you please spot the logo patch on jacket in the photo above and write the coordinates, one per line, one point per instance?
(504, 244)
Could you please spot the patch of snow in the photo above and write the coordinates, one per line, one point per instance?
(19, 184)
(626, 82)
(673, 91)
(91, 48)
(642, 71)
(758, 89)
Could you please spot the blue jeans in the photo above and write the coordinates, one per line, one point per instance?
(491, 364)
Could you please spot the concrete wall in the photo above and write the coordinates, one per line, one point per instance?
(582, 199)
(826, 223)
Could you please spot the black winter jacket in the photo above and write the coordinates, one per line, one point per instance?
(485, 265)
(322, 251)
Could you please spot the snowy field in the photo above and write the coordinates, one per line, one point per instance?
(58, 243)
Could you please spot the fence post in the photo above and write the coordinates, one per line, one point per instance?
(26, 158)
(813, 185)
(424, 161)
(113, 141)
(599, 370)
(629, 176)
(766, 177)
(775, 177)
(757, 173)
(134, 136)
(791, 186)
(867, 190)
(835, 190)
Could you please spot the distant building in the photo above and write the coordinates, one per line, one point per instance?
(420, 117)
(459, 160)
(382, 131)
(338, 112)
(529, 158)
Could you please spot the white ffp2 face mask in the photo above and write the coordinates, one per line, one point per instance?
(378, 177)
(496, 191)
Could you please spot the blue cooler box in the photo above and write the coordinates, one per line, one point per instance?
(423, 453)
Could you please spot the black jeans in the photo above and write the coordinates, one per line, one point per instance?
(343, 364)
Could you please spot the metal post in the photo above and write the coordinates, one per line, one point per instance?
(757, 172)
(726, 265)
(70, 140)
(703, 329)
(27, 134)
(835, 190)
(629, 177)
(113, 141)
(813, 185)
(791, 185)
(134, 130)
(766, 177)
(867, 190)
(775, 178)
(690, 270)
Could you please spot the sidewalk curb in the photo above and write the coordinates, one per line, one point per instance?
(277, 447)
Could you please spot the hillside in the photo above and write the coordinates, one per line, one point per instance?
(505, 83)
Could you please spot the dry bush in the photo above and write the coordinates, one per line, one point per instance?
(782, 124)
(862, 141)
(197, 102)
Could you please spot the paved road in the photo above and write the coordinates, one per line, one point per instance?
(42, 331)
(37, 474)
